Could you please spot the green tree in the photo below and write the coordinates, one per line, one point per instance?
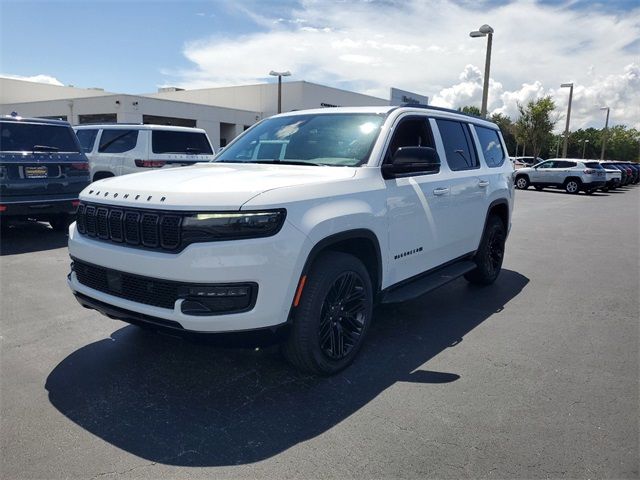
(535, 125)
(623, 143)
(470, 110)
(507, 128)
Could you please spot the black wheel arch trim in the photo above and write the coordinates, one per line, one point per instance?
(336, 238)
(492, 205)
(326, 242)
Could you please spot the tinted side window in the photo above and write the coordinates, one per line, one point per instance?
(29, 137)
(459, 149)
(594, 165)
(491, 146)
(166, 141)
(412, 132)
(118, 141)
(546, 165)
(86, 139)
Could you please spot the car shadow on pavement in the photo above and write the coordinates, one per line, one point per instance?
(182, 403)
(29, 236)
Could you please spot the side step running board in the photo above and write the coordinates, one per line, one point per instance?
(428, 282)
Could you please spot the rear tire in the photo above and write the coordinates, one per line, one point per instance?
(522, 182)
(572, 186)
(332, 317)
(61, 222)
(490, 255)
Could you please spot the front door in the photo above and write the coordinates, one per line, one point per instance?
(419, 223)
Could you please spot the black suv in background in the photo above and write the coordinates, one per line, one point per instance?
(42, 170)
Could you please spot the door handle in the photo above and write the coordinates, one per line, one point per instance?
(441, 191)
(483, 183)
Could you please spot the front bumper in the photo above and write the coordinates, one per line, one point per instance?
(273, 263)
(254, 337)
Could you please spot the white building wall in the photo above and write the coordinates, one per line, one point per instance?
(263, 98)
(17, 91)
(131, 108)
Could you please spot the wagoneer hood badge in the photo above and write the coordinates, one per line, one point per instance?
(206, 185)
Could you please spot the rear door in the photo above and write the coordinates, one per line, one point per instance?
(40, 160)
(468, 184)
(117, 148)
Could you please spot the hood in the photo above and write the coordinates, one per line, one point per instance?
(206, 185)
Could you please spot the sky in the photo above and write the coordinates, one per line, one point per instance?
(366, 46)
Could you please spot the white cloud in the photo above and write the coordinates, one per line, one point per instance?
(423, 46)
(35, 78)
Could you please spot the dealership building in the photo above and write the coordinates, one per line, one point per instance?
(222, 112)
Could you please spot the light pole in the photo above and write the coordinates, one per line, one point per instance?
(584, 146)
(605, 133)
(485, 30)
(566, 128)
(558, 147)
(279, 75)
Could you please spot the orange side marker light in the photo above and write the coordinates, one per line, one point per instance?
(296, 300)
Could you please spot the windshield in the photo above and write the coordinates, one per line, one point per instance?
(321, 139)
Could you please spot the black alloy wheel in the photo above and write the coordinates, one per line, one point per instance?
(342, 316)
(333, 315)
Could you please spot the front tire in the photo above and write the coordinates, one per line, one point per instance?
(522, 182)
(332, 317)
(490, 255)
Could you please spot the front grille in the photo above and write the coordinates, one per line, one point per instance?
(159, 293)
(135, 227)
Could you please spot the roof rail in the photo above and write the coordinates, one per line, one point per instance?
(442, 109)
(109, 123)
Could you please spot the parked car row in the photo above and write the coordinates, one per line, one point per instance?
(45, 164)
(578, 175)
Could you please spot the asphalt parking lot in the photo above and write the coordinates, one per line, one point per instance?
(536, 376)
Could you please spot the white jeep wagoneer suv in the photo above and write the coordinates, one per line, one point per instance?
(299, 227)
(123, 148)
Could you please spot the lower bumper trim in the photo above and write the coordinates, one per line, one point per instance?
(243, 338)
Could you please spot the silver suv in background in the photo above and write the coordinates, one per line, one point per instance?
(119, 149)
(571, 174)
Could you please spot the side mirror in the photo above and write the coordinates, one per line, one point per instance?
(407, 160)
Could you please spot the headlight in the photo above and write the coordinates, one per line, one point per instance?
(207, 227)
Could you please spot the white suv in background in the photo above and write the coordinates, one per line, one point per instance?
(571, 174)
(300, 225)
(119, 149)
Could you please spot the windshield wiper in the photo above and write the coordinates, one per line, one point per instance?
(44, 148)
(287, 162)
